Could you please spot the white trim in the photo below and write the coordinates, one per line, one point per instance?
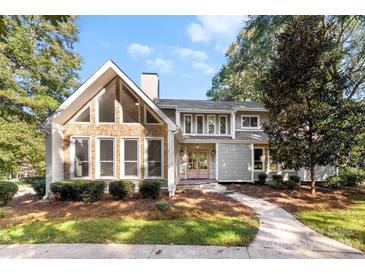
(186, 163)
(215, 124)
(97, 152)
(204, 111)
(216, 161)
(177, 118)
(101, 93)
(249, 127)
(252, 162)
(146, 158)
(252, 129)
(233, 125)
(122, 171)
(219, 128)
(191, 124)
(196, 124)
(72, 156)
(104, 69)
(263, 161)
(252, 109)
(88, 105)
(154, 116)
(121, 86)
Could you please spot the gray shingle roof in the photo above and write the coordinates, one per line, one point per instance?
(208, 105)
(251, 135)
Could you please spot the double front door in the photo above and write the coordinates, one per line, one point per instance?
(198, 165)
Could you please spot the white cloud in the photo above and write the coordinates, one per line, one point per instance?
(162, 65)
(185, 53)
(138, 50)
(222, 29)
(203, 67)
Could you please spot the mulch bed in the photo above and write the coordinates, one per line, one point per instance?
(300, 199)
(186, 204)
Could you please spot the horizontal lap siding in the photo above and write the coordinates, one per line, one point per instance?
(234, 162)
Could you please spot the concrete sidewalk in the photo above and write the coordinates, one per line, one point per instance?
(123, 251)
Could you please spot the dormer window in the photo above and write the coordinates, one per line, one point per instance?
(250, 121)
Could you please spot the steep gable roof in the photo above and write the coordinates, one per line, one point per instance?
(91, 87)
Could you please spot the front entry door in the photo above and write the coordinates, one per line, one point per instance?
(198, 165)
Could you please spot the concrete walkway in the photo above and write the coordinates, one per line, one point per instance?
(280, 236)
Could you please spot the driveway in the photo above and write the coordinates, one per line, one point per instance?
(280, 236)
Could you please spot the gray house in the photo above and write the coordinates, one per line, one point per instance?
(111, 128)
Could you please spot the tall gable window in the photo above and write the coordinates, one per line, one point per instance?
(106, 105)
(84, 116)
(150, 118)
(187, 123)
(130, 107)
(223, 124)
(249, 121)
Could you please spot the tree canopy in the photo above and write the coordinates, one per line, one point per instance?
(312, 123)
(248, 58)
(38, 69)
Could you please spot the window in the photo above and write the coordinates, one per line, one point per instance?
(106, 106)
(81, 155)
(203, 160)
(84, 116)
(129, 152)
(130, 107)
(187, 124)
(199, 124)
(222, 124)
(150, 118)
(154, 158)
(192, 160)
(273, 164)
(211, 124)
(249, 121)
(106, 157)
(259, 159)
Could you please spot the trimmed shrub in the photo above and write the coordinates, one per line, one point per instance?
(277, 181)
(163, 205)
(7, 192)
(79, 190)
(354, 176)
(262, 178)
(293, 182)
(336, 181)
(38, 183)
(150, 188)
(121, 189)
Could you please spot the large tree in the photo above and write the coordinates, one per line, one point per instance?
(38, 70)
(248, 58)
(311, 122)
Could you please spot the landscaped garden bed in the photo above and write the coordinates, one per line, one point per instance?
(193, 218)
(336, 213)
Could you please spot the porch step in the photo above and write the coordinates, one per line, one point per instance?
(205, 187)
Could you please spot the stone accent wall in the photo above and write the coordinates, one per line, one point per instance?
(116, 130)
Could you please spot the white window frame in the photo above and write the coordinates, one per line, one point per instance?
(263, 159)
(97, 104)
(97, 151)
(73, 120)
(122, 171)
(258, 121)
(196, 124)
(215, 123)
(191, 124)
(72, 156)
(154, 116)
(121, 106)
(268, 162)
(146, 176)
(219, 129)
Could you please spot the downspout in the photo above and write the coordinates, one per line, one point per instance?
(171, 185)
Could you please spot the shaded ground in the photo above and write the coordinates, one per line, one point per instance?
(338, 214)
(301, 199)
(194, 218)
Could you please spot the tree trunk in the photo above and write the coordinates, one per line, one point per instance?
(313, 181)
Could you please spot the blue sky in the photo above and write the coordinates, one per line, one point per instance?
(186, 51)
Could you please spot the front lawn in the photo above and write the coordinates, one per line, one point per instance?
(336, 213)
(345, 225)
(194, 218)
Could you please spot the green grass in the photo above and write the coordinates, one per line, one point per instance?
(218, 231)
(345, 225)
